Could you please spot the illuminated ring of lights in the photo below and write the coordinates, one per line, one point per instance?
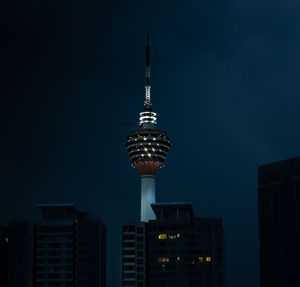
(148, 117)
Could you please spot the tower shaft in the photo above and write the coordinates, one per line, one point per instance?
(147, 170)
(147, 197)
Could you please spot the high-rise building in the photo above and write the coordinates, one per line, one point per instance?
(3, 256)
(135, 267)
(20, 243)
(279, 223)
(184, 250)
(70, 248)
(66, 247)
(176, 249)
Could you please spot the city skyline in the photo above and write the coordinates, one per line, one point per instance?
(224, 76)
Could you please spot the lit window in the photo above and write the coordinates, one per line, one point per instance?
(172, 236)
(208, 259)
(200, 259)
(6, 239)
(54, 268)
(178, 235)
(162, 236)
(178, 258)
(163, 259)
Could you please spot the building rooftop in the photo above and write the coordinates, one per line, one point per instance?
(59, 211)
(56, 205)
(172, 209)
(280, 171)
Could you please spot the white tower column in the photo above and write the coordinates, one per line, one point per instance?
(147, 197)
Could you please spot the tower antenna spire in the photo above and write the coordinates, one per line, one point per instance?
(147, 86)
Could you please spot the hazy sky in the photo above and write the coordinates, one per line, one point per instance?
(225, 85)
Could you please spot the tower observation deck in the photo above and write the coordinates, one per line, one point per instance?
(147, 148)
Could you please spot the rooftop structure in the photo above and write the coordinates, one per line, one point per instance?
(147, 148)
(59, 211)
(166, 210)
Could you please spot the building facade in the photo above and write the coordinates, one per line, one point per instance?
(279, 223)
(176, 249)
(65, 247)
(3, 256)
(70, 248)
(20, 250)
(135, 255)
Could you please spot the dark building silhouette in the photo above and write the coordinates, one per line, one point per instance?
(176, 249)
(3, 256)
(70, 248)
(135, 255)
(279, 223)
(65, 248)
(20, 243)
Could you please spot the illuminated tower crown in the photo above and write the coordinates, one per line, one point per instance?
(147, 148)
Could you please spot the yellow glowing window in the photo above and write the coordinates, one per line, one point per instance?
(163, 259)
(208, 259)
(200, 259)
(178, 235)
(162, 236)
(178, 258)
(6, 239)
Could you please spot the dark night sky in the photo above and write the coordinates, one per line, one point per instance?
(225, 84)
